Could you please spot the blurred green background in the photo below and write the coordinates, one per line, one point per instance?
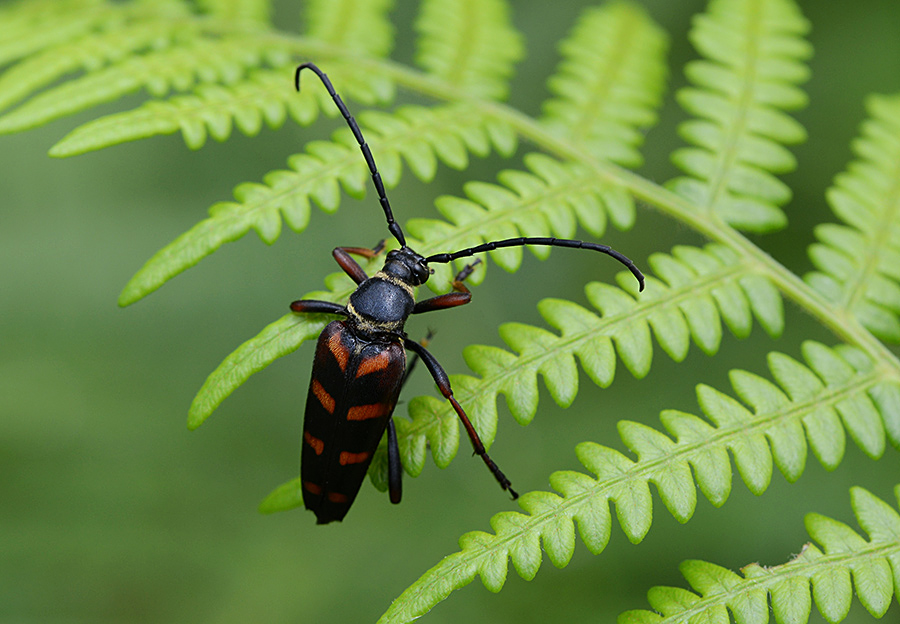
(111, 511)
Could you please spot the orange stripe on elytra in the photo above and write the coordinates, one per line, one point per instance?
(317, 445)
(373, 364)
(312, 488)
(353, 458)
(365, 412)
(325, 399)
(339, 351)
(336, 497)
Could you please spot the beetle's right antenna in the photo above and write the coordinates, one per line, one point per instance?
(554, 242)
(393, 226)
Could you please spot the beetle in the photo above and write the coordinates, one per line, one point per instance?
(360, 361)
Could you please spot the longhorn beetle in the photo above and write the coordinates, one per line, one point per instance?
(361, 360)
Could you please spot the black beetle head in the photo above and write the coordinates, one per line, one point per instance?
(407, 266)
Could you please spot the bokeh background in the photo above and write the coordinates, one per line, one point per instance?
(111, 511)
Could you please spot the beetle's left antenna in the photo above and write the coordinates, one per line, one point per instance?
(393, 226)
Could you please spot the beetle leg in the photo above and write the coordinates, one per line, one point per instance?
(463, 274)
(415, 358)
(459, 296)
(443, 384)
(395, 468)
(349, 265)
(320, 307)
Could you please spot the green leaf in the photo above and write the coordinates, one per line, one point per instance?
(610, 82)
(859, 262)
(754, 53)
(177, 67)
(716, 590)
(357, 26)
(774, 428)
(251, 12)
(470, 44)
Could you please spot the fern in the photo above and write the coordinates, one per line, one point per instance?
(810, 406)
(470, 44)
(754, 56)
(874, 566)
(359, 27)
(209, 67)
(610, 83)
(859, 263)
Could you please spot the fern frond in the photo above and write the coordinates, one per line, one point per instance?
(873, 565)
(810, 404)
(130, 30)
(610, 82)
(420, 136)
(754, 51)
(29, 27)
(470, 44)
(179, 67)
(698, 289)
(859, 262)
(212, 110)
(249, 12)
(352, 25)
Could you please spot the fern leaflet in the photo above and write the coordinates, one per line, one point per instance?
(470, 44)
(755, 53)
(609, 83)
(859, 262)
(811, 404)
(874, 566)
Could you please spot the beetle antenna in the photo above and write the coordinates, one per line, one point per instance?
(393, 226)
(555, 242)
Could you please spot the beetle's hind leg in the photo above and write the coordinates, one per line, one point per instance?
(395, 468)
(443, 384)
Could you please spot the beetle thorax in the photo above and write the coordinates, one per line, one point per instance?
(381, 304)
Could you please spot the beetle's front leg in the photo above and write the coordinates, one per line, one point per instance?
(459, 296)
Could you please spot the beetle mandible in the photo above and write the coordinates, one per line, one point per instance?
(360, 361)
